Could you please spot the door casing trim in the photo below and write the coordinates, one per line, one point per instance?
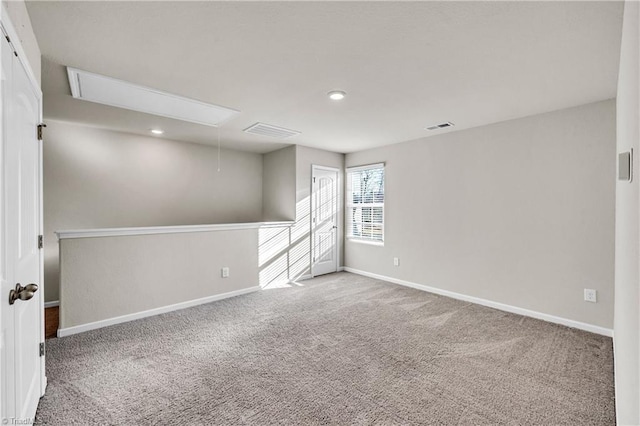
(7, 28)
(315, 167)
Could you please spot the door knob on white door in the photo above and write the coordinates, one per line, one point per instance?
(22, 293)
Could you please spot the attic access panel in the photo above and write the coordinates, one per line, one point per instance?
(122, 94)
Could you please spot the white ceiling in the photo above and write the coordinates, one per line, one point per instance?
(404, 65)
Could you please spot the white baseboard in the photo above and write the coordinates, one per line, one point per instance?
(304, 277)
(496, 305)
(51, 304)
(309, 276)
(62, 332)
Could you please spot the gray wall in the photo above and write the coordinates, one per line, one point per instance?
(107, 277)
(520, 212)
(627, 282)
(285, 252)
(279, 185)
(102, 179)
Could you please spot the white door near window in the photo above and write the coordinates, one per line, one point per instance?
(22, 321)
(324, 220)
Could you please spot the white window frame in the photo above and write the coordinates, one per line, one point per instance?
(350, 205)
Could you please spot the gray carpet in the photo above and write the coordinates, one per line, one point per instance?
(341, 349)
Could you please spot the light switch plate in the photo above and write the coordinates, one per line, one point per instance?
(625, 166)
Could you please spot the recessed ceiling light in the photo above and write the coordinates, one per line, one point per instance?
(157, 131)
(337, 95)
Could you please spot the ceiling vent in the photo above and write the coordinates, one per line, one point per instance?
(117, 93)
(440, 126)
(263, 129)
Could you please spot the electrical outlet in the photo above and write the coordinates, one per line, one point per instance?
(225, 272)
(590, 295)
(396, 261)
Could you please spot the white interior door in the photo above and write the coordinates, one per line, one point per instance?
(324, 220)
(22, 318)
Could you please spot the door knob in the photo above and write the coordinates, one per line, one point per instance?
(22, 293)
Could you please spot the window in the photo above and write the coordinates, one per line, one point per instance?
(365, 203)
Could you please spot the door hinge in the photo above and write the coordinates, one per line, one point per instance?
(41, 348)
(314, 180)
(10, 44)
(40, 241)
(41, 126)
